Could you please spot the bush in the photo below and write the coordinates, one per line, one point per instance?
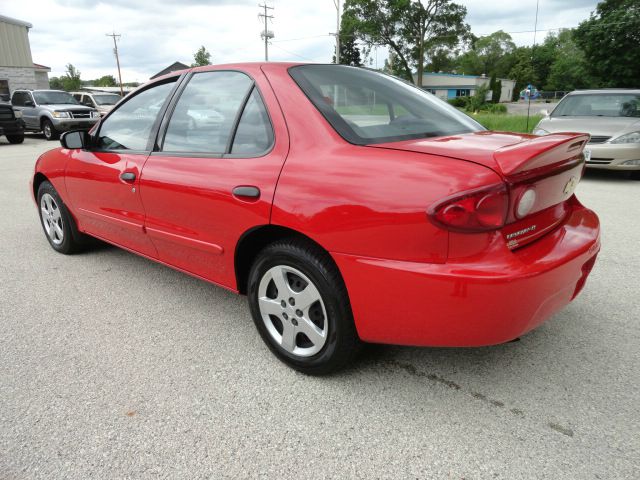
(496, 108)
(459, 102)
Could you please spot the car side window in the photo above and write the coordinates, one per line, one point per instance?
(205, 114)
(254, 134)
(128, 127)
(77, 96)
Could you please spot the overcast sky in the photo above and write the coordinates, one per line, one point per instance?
(156, 33)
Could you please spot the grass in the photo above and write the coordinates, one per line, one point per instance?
(506, 123)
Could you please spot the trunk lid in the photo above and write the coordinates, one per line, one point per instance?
(551, 166)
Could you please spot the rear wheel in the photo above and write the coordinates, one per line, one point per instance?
(50, 132)
(58, 225)
(635, 175)
(15, 139)
(300, 307)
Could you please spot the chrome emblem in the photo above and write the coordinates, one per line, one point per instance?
(571, 186)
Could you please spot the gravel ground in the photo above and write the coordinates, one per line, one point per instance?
(113, 367)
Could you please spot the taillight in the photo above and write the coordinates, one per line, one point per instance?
(525, 203)
(474, 211)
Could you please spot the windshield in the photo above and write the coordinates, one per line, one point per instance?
(107, 99)
(368, 107)
(599, 105)
(54, 98)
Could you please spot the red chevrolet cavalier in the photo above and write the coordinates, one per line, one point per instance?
(347, 205)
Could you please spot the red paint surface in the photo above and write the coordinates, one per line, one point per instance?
(409, 280)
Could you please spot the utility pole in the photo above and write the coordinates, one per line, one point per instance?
(115, 51)
(266, 33)
(337, 4)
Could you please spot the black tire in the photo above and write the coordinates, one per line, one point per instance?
(50, 132)
(635, 174)
(15, 139)
(341, 342)
(71, 241)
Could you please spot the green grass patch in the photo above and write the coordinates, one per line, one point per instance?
(507, 123)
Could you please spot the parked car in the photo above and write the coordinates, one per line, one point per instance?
(611, 117)
(11, 124)
(103, 102)
(52, 112)
(410, 225)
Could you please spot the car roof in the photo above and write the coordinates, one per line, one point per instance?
(606, 91)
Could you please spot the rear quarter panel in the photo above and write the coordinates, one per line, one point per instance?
(360, 200)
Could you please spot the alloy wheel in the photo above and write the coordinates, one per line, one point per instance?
(293, 311)
(52, 219)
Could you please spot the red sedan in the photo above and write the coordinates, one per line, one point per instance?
(347, 205)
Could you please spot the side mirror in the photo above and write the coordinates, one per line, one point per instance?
(29, 103)
(544, 112)
(74, 140)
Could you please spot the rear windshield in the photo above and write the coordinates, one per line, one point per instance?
(368, 107)
(599, 105)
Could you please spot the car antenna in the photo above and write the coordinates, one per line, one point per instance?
(533, 50)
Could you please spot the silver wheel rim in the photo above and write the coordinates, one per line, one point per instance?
(47, 130)
(293, 311)
(52, 219)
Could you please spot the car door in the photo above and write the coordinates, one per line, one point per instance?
(103, 180)
(23, 101)
(213, 173)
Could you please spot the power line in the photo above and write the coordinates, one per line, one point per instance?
(266, 33)
(115, 35)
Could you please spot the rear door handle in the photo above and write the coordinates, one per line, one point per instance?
(246, 192)
(128, 176)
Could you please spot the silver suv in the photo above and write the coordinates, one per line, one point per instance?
(103, 102)
(53, 112)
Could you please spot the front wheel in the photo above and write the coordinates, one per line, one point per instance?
(57, 223)
(300, 306)
(50, 132)
(15, 139)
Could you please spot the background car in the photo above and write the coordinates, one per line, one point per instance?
(611, 117)
(11, 124)
(52, 112)
(408, 224)
(103, 102)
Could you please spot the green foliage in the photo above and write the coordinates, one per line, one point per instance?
(507, 123)
(610, 39)
(496, 89)
(459, 102)
(55, 83)
(478, 100)
(201, 58)
(70, 81)
(349, 51)
(105, 81)
(409, 29)
(497, 108)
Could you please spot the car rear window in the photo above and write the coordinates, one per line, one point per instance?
(367, 107)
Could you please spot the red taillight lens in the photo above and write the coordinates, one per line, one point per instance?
(475, 211)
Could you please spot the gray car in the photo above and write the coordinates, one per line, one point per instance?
(611, 117)
(53, 112)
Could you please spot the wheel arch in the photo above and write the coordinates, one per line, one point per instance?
(38, 178)
(254, 240)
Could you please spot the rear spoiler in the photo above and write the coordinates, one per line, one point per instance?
(538, 155)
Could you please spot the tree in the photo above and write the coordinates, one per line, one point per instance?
(70, 81)
(488, 55)
(202, 57)
(495, 86)
(610, 39)
(349, 51)
(410, 29)
(55, 83)
(105, 81)
(569, 70)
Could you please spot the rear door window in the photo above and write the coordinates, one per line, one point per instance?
(254, 134)
(206, 113)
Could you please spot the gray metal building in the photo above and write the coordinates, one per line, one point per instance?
(17, 69)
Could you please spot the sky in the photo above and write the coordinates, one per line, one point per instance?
(156, 33)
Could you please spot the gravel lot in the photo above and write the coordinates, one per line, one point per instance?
(112, 366)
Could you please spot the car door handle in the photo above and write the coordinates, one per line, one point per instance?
(246, 192)
(128, 176)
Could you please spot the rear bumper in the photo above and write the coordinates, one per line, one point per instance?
(613, 157)
(12, 128)
(483, 301)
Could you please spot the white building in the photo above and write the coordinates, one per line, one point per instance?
(17, 69)
(451, 85)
